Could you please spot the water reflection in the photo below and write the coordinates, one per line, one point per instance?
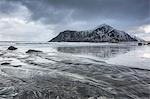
(98, 51)
(132, 56)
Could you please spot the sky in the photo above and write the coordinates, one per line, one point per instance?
(41, 20)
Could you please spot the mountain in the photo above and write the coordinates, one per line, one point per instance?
(102, 33)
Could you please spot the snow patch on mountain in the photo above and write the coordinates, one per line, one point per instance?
(101, 33)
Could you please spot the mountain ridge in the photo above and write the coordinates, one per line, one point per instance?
(101, 33)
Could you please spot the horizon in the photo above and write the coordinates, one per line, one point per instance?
(69, 30)
(41, 20)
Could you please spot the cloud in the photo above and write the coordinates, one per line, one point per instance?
(142, 31)
(7, 7)
(15, 24)
(55, 11)
(27, 18)
(20, 30)
(146, 29)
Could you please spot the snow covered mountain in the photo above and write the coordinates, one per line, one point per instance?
(102, 33)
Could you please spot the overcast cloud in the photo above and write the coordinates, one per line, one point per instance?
(33, 20)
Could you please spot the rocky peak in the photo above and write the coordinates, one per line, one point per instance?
(101, 33)
(103, 28)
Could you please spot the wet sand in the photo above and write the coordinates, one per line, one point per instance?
(61, 75)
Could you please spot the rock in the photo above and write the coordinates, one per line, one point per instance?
(33, 51)
(17, 66)
(57, 97)
(140, 44)
(5, 63)
(12, 48)
(102, 33)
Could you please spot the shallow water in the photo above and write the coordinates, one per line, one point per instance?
(75, 71)
(126, 55)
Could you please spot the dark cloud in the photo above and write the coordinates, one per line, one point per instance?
(55, 11)
(82, 14)
(7, 7)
